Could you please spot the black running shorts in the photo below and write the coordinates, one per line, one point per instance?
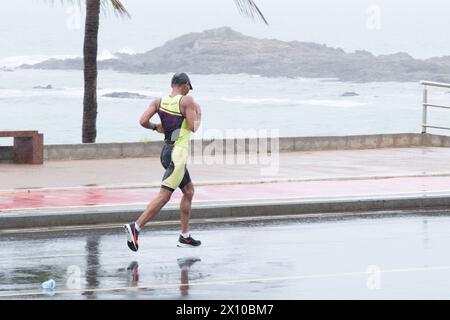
(173, 159)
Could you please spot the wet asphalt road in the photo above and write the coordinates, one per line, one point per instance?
(387, 257)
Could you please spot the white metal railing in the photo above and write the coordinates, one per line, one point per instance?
(426, 105)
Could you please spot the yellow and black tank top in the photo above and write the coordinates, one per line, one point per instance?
(174, 123)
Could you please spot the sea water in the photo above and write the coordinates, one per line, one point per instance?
(293, 106)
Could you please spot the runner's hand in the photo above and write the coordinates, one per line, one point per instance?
(159, 128)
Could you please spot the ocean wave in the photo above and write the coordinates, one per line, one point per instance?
(332, 103)
(127, 50)
(259, 100)
(70, 92)
(297, 102)
(41, 91)
(10, 93)
(106, 55)
(108, 91)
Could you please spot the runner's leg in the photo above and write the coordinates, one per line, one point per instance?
(185, 206)
(155, 206)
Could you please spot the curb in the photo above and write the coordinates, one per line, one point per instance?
(25, 220)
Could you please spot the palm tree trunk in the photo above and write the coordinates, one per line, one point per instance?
(90, 71)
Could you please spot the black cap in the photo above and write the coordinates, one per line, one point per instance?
(181, 78)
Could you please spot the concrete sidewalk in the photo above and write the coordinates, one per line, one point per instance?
(293, 166)
(113, 191)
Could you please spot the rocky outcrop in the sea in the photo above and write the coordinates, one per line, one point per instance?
(226, 51)
(126, 95)
(47, 87)
(349, 94)
(5, 69)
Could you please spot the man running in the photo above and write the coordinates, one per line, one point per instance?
(180, 115)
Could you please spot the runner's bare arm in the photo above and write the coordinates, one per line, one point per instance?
(199, 113)
(192, 112)
(148, 114)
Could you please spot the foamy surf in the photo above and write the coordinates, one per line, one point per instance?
(41, 91)
(244, 100)
(284, 102)
(332, 103)
(108, 91)
(106, 55)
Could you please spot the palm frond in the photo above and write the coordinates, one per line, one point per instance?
(250, 9)
(118, 7)
(63, 2)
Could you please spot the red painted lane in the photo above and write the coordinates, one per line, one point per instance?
(263, 191)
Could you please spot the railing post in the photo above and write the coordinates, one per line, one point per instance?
(424, 110)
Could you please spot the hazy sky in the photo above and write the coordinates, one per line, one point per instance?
(421, 28)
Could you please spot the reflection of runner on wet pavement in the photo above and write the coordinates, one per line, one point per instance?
(133, 271)
(185, 264)
(180, 115)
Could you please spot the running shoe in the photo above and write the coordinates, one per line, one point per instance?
(132, 235)
(188, 242)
